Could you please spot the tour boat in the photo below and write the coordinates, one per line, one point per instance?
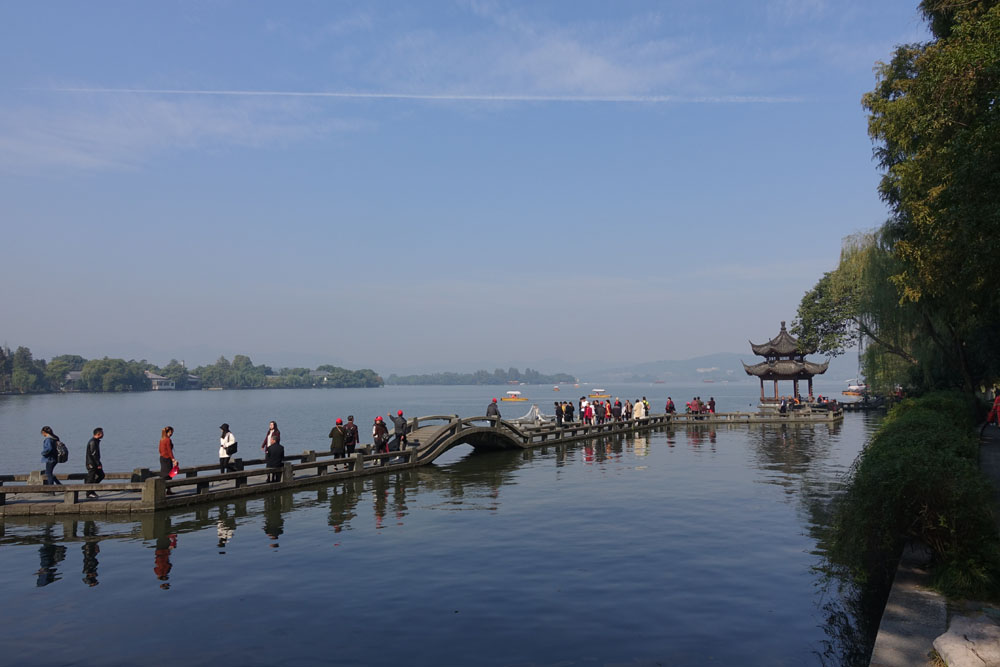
(855, 389)
(599, 393)
(513, 396)
(555, 388)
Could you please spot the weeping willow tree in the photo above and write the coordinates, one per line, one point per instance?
(857, 305)
(922, 294)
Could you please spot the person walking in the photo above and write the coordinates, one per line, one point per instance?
(670, 408)
(227, 447)
(352, 435)
(95, 471)
(272, 432)
(492, 410)
(559, 414)
(569, 411)
(338, 439)
(167, 460)
(50, 455)
(399, 430)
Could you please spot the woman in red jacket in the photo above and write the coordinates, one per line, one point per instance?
(167, 460)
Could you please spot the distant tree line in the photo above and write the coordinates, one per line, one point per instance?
(21, 373)
(241, 373)
(498, 376)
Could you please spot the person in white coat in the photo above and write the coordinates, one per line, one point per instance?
(226, 441)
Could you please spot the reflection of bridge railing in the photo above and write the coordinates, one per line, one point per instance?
(429, 437)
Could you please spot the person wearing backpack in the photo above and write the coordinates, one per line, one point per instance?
(95, 471)
(352, 435)
(50, 455)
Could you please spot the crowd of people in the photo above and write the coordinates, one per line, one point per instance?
(345, 437)
(344, 440)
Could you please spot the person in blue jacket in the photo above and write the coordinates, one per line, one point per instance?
(50, 455)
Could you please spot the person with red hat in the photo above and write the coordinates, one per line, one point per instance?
(380, 435)
(399, 430)
(492, 410)
(338, 439)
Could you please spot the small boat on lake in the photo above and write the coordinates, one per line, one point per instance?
(513, 396)
(855, 389)
(599, 393)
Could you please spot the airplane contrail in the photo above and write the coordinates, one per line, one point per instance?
(447, 97)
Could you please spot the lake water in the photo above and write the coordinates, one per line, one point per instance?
(683, 547)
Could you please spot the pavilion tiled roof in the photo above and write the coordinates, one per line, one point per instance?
(782, 345)
(784, 369)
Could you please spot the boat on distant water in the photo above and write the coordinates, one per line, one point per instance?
(555, 388)
(855, 388)
(599, 393)
(513, 396)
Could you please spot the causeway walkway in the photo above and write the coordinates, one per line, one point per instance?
(143, 491)
(919, 623)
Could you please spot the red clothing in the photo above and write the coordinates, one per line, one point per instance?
(166, 448)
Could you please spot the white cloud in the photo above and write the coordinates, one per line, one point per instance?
(123, 131)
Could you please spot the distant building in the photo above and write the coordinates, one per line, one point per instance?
(71, 381)
(193, 382)
(158, 382)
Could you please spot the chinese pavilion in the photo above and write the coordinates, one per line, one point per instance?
(784, 361)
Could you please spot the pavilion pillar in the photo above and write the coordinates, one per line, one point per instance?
(762, 390)
(776, 391)
(795, 385)
(810, 388)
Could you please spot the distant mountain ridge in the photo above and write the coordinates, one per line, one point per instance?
(717, 367)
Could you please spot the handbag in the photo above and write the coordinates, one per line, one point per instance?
(231, 449)
(173, 471)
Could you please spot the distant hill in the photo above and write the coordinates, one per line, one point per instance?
(719, 366)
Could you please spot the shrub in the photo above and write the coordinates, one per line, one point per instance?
(919, 479)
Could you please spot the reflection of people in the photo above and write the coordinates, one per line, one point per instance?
(274, 523)
(50, 455)
(226, 440)
(90, 551)
(225, 528)
(95, 471)
(49, 555)
(161, 558)
(167, 460)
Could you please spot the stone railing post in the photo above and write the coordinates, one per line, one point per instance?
(359, 462)
(309, 456)
(153, 492)
(140, 474)
(287, 473)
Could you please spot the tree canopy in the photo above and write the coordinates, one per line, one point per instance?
(924, 287)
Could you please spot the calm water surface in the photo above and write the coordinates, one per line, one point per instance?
(683, 547)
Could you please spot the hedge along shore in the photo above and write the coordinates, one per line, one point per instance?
(919, 622)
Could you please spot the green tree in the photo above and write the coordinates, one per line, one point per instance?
(935, 118)
(177, 372)
(26, 375)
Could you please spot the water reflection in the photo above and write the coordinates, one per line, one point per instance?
(802, 462)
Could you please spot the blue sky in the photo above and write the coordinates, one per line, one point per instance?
(429, 185)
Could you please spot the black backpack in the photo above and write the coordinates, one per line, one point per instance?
(62, 452)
